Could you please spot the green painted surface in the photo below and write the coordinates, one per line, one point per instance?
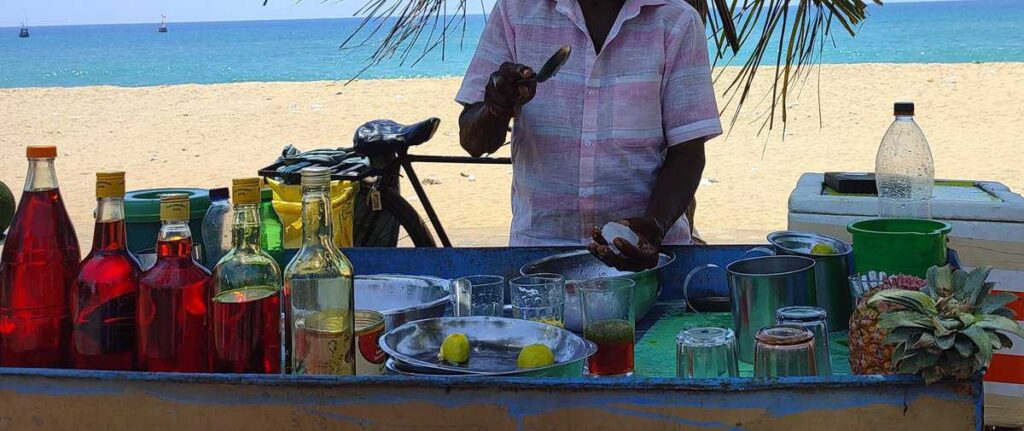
(944, 190)
(656, 351)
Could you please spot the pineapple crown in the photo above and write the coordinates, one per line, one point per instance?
(950, 327)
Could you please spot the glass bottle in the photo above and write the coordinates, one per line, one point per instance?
(217, 227)
(106, 290)
(37, 268)
(318, 289)
(271, 228)
(171, 322)
(904, 170)
(246, 289)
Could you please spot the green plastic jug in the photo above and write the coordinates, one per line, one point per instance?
(898, 246)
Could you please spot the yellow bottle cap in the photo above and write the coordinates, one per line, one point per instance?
(174, 206)
(41, 151)
(110, 184)
(245, 191)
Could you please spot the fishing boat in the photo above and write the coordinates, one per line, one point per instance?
(163, 24)
(24, 31)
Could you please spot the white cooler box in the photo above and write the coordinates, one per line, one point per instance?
(988, 229)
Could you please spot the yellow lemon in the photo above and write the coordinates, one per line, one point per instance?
(455, 348)
(822, 248)
(534, 356)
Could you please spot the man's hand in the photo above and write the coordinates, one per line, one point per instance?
(643, 256)
(511, 87)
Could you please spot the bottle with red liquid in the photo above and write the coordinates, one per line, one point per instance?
(106, 290)
(245, 308)
(37, 268)
(171, 321)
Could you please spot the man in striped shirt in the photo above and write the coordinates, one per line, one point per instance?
(618, 134)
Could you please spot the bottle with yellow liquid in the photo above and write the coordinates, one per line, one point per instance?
(318, 289)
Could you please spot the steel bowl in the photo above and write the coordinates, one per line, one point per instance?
(402, 298)
(495, 343)
(579, 266)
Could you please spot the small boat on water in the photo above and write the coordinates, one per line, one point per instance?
(163, 24)
(24, 31)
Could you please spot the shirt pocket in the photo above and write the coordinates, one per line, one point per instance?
(636, 108)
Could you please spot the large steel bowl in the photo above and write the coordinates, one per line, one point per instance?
(402, 298)
(578, 266)
(495, 343)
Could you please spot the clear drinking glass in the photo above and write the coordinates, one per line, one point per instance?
(815, 319)
(706, 353)
(784, 351)
(609, 322)
(479, 295)
(539, 297)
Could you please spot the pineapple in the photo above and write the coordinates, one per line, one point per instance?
(949, 328)
(868, 352)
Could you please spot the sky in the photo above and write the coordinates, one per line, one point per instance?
(76, 12)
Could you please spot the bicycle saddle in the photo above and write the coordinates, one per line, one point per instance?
(380, 137)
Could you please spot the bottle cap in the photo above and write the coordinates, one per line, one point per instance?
(903, 108)
(315, 176)
(246, 190)
(266, 195)
(110, 184)
(174, 206)
(219, 194)
(41, 151)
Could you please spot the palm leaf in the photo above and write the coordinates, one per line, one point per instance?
(775, 36)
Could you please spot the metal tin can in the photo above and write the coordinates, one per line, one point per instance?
(369, 356)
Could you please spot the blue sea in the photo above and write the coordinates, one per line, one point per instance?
(307, 50)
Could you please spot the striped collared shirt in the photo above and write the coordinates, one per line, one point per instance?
(588, 148)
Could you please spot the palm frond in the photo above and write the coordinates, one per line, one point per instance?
(788, 35)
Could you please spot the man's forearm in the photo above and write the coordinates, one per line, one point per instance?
(676, 183)
(480, 131)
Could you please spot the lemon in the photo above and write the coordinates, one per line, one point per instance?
(535, 356)
(455, 348)
(822, 248)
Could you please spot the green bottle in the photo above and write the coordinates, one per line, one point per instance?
(271, 229)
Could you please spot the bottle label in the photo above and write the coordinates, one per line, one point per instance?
(324, 346)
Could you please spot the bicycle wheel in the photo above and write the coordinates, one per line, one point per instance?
(393, 203)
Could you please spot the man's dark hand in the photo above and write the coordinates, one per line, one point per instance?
(643, 256)
(511, 87)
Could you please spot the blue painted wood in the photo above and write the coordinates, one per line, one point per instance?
(175, 401)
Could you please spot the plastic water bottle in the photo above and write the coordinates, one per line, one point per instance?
(217, 227)
(904, 170)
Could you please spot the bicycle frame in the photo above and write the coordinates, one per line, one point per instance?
(406, 160)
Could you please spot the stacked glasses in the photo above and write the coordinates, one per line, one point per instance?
(815, 320)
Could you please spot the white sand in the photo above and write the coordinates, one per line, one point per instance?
(204, 135)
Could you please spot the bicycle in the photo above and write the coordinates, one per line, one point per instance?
(379, 155)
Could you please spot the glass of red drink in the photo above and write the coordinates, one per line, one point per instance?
(609, 322)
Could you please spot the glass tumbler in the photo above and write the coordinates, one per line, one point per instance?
(609, 322)
(479, 295)
(815, 319)
(706, 353)
(539, 297)
(784, 351)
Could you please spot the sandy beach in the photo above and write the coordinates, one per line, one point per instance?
(204, 135)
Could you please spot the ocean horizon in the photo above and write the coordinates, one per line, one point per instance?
(133, 55)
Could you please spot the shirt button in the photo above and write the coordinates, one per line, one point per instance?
(587, 143)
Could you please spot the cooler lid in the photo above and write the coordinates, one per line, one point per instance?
(967, 200)
(143, 206)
